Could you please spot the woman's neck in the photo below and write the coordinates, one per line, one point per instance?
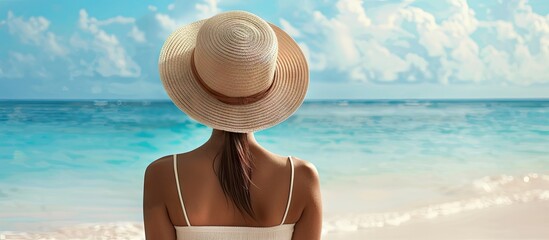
(217, 138)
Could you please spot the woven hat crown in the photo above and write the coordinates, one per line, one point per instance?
(235, 54)
(234, 72)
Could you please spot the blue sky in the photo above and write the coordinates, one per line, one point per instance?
(356, 49)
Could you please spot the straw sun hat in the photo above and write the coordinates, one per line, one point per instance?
(234, 72)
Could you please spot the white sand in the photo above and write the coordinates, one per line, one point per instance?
(516, 221)
(120, 230)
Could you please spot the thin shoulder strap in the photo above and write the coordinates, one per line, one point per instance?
(291, 190)
(179, 189)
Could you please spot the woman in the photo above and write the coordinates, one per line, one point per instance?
(237, 74)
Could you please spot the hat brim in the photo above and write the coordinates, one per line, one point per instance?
(289, 86)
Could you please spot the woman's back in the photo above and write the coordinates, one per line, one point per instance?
(206, 205)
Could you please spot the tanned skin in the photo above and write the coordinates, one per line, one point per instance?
(206, 204)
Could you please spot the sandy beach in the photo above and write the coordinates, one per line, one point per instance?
(518, 221)
(514, 221)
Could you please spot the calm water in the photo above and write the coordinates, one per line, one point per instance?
(64, 162)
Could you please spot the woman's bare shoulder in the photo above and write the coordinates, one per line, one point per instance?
(159, 169)
(306, 188)
(160, 163)
(305, 170)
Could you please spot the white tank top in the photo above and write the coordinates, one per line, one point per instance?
(279, 232)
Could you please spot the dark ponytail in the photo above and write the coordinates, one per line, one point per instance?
(235, 171)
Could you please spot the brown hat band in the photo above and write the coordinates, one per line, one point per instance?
(226, 99)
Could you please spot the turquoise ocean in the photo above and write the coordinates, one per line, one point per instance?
(381, 162)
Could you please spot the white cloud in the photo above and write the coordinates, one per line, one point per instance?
(95, 50)
(52, 45)
(431, 35)
(137, 34)
(27, 31)
(448, 42)
(111, 58)
(341, 43)
(291, 30)
(166, 22)
(92, 24)
(380, 63)
(34, 31)
(352, 11)
(102, 53)
(207, 9)
(171, 21)
(316, 61)
(152, 8)
(420, 63)
(109, 21)
(465, 61)
(336, 41)
(525, 18)
(496, 62)
(405, 42)
(520, 52)
(505, 30)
